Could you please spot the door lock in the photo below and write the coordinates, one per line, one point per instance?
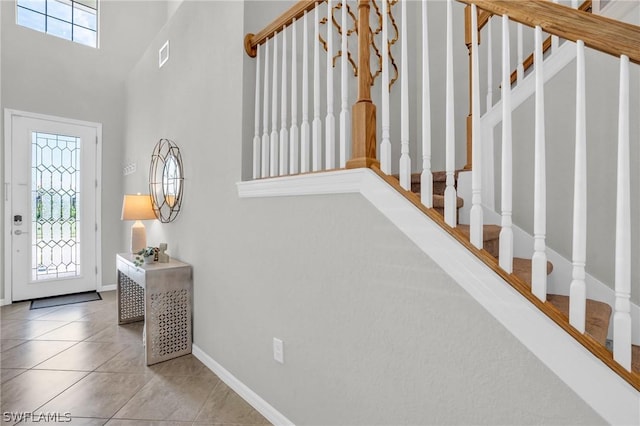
(17, 219)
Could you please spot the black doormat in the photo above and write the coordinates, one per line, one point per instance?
(67, 299)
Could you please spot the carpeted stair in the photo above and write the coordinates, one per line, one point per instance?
(598, 313)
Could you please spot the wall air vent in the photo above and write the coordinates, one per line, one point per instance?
(163, 54)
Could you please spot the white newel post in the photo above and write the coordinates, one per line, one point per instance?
(405, 160)
(305, 130)
(578, 289)
(476, 214)
(256, 114)
(539, 260)
(330, 121)
(426, 177)
(273, 157)
(316, 139)
(385, 144)
(345, 116)
(450, 207)
(293, 131)
(284, 132)
(622, 316)
(506, 233)
(265, 114)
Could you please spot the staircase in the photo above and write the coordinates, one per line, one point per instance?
(598, 313)
(322, 144)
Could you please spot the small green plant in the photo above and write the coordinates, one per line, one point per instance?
(145, 252)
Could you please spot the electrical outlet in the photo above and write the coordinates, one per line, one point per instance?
(278, 350)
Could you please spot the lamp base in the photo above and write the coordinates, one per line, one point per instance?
(138, 237)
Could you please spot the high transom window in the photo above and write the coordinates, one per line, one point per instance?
(75, 20)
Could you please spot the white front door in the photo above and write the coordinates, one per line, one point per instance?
(53, 220)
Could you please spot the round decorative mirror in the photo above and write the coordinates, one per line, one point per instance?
(166, 180)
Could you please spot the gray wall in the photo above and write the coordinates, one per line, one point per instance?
(374, 331)
(49, 75)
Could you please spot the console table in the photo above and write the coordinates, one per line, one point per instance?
(161, 294)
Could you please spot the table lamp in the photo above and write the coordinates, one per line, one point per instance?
(137, 207)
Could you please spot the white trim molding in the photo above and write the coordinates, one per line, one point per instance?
(252, 398)
(614, 399)
(109, 287)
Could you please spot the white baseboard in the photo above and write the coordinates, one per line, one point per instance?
(252, 398)
(110, 287)
(2, 303)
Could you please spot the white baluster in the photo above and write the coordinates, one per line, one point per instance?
(622, 315)
(506, 232)
(405, 160)
(450, 198)
(273, 158)
(256, 136)
(578, 289)
(284, 132)
(330, 121)
(555, 41)
(316, 140)
(293, 131)
(476, 216)
(489, 64)
(265, 114)
(345, 116)
(426, 177)
(539, 260)
(385, 144)
(305, 131)
(520, 67)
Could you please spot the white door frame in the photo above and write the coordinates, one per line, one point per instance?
(8, 118)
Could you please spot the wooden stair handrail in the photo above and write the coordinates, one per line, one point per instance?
(587, 6)
(252, 41)
(598, 32)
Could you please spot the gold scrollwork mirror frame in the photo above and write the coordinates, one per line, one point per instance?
(166, 180)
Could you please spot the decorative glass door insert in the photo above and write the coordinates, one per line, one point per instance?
(54, 205)
(55, 180)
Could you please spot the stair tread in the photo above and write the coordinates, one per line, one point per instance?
(438, 201)
(635, 358)
(490, 232)
(598, 315)
(439, 176)
(522, 269)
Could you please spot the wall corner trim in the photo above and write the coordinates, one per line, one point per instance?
(613, 398)
(252, 398)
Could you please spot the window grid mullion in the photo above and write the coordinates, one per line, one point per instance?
(72, 23)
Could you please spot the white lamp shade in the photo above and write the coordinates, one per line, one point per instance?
(137, 207)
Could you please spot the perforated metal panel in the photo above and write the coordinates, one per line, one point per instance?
(171, 328)
(130, 298)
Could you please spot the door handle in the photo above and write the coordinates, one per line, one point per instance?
(19, 232)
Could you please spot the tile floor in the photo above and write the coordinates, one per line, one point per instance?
(75, 359)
